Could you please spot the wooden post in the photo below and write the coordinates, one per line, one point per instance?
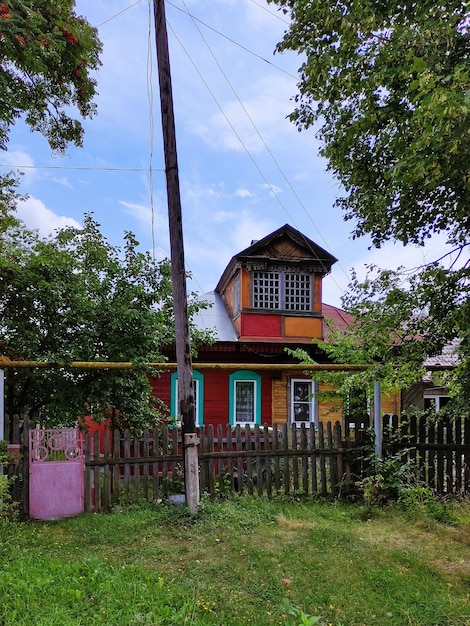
(2, 405)
(377, 420)
(2, 410)
(178, 271)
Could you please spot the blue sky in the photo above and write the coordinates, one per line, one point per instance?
(244, 169)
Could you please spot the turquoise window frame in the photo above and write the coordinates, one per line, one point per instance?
(198, 378)
(244, 376)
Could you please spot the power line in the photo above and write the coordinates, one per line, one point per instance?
(272, 190)
(258, 56)
(118, 14)
(86, 169)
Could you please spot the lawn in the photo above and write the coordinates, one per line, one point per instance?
(240, 562)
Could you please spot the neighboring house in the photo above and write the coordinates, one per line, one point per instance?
(428, 395)
(268, 298)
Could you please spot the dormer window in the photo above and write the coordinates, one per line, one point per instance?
(236, 294)
(287, 291)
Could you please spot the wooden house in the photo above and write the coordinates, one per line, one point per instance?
(268, 299)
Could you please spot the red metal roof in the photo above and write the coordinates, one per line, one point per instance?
(335, 319)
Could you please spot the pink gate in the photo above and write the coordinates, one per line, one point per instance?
(56, 468)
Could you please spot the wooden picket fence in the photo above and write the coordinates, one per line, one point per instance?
(439, 449)
(261, 460)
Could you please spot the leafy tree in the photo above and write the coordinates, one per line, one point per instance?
(74, 297)
(387, 86)
(47, 56)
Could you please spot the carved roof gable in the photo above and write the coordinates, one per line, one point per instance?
(284, 248)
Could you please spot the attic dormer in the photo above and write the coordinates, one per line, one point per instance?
(273, 288)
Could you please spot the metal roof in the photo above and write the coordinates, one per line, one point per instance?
(215, 318)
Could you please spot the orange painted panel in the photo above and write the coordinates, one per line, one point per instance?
(245, 291)
(317, 292)
(391, 404)
(303, 327)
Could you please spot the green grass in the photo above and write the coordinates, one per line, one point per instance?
(242, 562)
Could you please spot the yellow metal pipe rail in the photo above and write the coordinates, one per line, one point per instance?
(126, 365)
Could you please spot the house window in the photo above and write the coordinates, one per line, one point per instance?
(304, 407)
(198, 386)
(282, 290)
(298, 292)
(435, 403)
(236, 294)
(245, 398)
(266, 290)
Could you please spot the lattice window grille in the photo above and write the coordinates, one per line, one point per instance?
(266, 290)
(298, 292)
(282, 290)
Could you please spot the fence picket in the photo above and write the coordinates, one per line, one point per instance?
(285, 467)
(267, 466)
(230, 464)
(431, 465)
(321, 445)
(295, 459)
(305, 458)
(313, 458)
(116, 468)
(106, 470)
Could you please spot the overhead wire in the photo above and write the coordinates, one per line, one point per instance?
(275, 161)
(113, 17)
(78, 168)
(236, 43)
(150, 168)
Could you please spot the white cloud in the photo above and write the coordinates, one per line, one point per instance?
(391, 256)
(243, 193)
(142, 213)
(274, 190)
(249, 227)
(17, 158)
(253, 123)
(36, 216)
(155, 227)
(63, 181)
(220, 217)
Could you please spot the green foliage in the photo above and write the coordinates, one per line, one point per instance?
(8, 508)
(392, 477)
(387, 86)
(74, 297)
(301, 618)
(244, 561)
(47, 57)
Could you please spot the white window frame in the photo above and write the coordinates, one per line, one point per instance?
(437, 398)
(198, 386)
(311, 402)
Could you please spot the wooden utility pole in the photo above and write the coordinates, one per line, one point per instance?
(178, 271)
